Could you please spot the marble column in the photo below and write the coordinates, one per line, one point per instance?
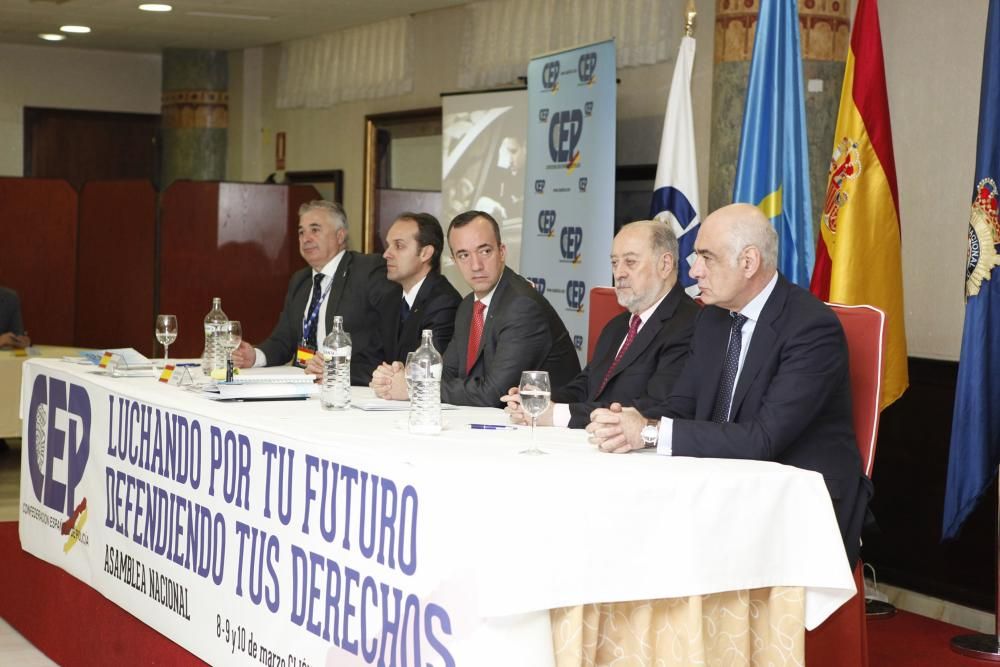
(825, 36)
(195, 103)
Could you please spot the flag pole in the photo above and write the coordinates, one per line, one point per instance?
(984, 647)
(690, 16)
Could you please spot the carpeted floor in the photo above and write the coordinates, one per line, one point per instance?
(909, 640)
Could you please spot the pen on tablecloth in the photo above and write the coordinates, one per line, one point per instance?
(493, 427)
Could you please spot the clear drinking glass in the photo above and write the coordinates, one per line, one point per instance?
(231, 334)
(535, 391)
(166, 332)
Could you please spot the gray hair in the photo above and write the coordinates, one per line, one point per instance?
(334, 212)
(662, 238)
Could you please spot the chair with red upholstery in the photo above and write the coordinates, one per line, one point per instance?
(603, 308)
(843, 638)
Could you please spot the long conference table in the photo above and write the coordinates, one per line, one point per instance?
(279, 533)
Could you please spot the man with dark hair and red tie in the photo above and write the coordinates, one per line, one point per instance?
(502, 328)
(767, 378)
(639, 353)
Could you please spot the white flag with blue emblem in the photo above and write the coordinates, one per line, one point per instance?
(675, 193)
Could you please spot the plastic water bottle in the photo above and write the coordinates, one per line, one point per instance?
(214, 357)
(336, 349)
(425, 383)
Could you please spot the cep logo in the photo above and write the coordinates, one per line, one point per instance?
(583, 184)
(538, 284)
(58, 441)
(570, 241)
(578, 342)
(546, 222)
(575, 292)
(565, 129)
(587, 67)
(588, 108)
(550, 76)
(543, 115)
(540, 185)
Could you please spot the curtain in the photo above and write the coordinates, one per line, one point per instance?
(501, 36)
(358, 63)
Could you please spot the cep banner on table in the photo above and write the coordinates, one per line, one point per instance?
(229, 541)
(570, 192)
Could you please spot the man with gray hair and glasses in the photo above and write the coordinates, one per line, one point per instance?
(640, 353)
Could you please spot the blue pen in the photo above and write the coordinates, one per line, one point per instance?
(493, 427)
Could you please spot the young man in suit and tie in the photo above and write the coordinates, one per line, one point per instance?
(425, 299)
(336, 282)
(640, 353)
(767, 378)
(502, 328)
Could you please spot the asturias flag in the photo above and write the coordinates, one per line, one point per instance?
(859, 252)
(675, 192)
(772, 171)
(975, 428)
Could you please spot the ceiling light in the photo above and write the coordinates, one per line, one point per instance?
(78, 29)
(52, 37)
(155, 7)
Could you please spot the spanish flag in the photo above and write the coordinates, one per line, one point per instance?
(858, 254)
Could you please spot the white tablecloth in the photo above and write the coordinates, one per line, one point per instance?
(502, 536)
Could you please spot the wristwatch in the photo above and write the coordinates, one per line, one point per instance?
(650, 433)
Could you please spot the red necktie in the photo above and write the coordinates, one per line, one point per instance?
(475, 335)
(633, 329)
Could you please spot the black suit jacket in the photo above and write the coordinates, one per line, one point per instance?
(522, 332)
(358, 286)
(10, 312)
(434, 308)
(791, 404)
(647, 371)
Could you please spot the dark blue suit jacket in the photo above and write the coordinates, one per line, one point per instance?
(434, 308)
(647, 371)
(791, 404)
(358, 287)
(522, 332)
(10, 312)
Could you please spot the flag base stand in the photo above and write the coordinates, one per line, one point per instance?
(981, 647)
(879, 609)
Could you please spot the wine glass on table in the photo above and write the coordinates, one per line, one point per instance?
(230, 338)
(535, 391)
(166, 333)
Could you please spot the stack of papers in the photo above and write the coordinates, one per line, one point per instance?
(261, 384)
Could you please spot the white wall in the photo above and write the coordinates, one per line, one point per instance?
(58, 77)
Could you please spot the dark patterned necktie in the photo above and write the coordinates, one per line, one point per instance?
(724, 398)
(309, 335)
(633, 329)
(404, 310)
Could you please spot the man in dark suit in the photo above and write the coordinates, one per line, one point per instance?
(502, 328)
(767, 378)
(425, 299)
(12, 333)
(640, 353)
(336, 282)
